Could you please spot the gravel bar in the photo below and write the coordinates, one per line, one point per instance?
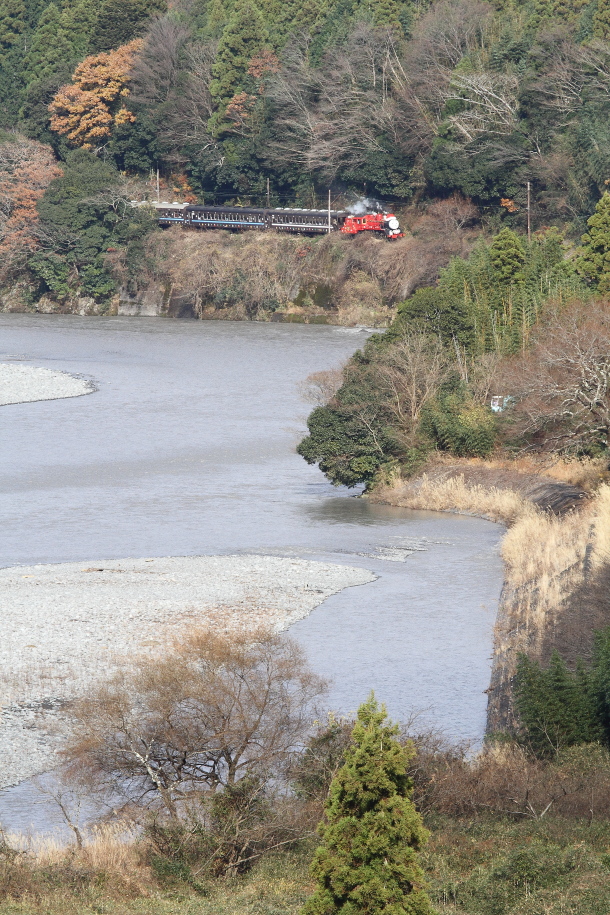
(62, 627)
(25, 384)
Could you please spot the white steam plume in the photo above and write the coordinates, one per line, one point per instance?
(365, 205)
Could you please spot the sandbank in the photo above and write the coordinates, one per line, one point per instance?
(64, 627)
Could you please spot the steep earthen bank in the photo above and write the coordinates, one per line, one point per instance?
(556, 541)
(265, 276)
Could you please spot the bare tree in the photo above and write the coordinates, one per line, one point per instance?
(320, 387)
(563, 382)
(333, 116)
(216, 710)
(490, 101)
(156, 69)
(423, 83)
(410, 373)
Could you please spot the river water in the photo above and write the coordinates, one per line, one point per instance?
(188, 448)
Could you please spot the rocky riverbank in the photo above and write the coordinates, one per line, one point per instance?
(67, 626)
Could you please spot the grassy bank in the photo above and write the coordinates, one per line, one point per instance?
(478, 866)
(550, 557)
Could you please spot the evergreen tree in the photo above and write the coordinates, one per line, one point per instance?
(78, 20)
(594, 260)
(556, 707)
(367, 862)
(121, 20)
(507, 257)
(242, 38)
(216, 19)
(385, 13)
(12, 23)
(601, 20)
(75, 214)
(601, 680)
(51, 51)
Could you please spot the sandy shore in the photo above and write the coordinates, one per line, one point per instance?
(65, 626)
(26, 384)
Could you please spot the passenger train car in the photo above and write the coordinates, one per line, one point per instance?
(306, 222)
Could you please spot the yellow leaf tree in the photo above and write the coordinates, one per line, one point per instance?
(86, 110)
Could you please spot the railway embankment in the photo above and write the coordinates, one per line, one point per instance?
(556, 552)
(260, 276)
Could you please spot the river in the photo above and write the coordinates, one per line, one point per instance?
(188, 448)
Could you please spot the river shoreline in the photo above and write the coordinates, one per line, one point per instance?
(68, 626)
(555, 536)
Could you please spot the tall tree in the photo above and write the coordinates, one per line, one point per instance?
(86, 111)
(507, 256)
(594, 260)
(243, 37)
(121, 20)
(367, 862)
(50, 50)
(556, 707)
(12, 22)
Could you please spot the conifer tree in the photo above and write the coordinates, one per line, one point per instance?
(507, 256)
(242, 38)
(50, 50)
(12, 22)
(385, 13)
(601, 20)
(594, 260)
(367, 862)
(120, 20)
(78, 20)
(601, 680)
(556, 707)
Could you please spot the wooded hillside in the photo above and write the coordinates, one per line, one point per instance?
(408, 103)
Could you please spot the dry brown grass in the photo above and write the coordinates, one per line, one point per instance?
(110, 847)
(454, 494)
(112, 856)
(238, 276)
(548, 558)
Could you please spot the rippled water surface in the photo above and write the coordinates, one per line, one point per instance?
(188, 448)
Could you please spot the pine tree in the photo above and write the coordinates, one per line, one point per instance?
(556, 707)
(601, 681)
(385, 13)
(78, 20)
(242, 38)
(367, 862)
(594, 260)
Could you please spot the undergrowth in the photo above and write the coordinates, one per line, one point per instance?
(478, 866)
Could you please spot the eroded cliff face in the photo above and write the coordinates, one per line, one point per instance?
(22, 298)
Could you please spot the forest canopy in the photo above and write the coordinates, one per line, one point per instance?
(486, 118)
(391, 98)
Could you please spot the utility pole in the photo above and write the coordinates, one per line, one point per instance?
(329, 226)
(529, 212)
(157, 184)
(268, 204)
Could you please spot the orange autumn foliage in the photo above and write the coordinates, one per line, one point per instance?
(26, 170)
(87, 109)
